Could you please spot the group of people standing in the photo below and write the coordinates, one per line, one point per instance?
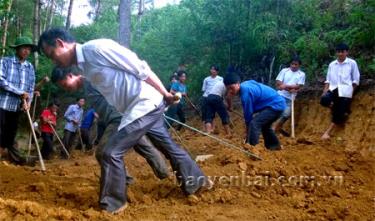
(130, 100)
(273, 107)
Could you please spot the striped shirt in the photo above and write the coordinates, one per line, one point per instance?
(15, 79)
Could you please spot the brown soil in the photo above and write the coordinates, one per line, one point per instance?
(330, 180)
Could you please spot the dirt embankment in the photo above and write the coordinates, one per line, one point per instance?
(309, 179)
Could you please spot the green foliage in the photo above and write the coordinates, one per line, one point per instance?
(246, 34)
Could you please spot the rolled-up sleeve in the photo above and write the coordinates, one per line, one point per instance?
(204, 85)
(302, 79)
(329, 72)
(355, 73)
(281, 75)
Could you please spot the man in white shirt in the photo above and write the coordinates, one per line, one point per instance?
(342, 79)
(289, 82)
(208, 83)
(211, 80)
(215, 103)
(137, 93)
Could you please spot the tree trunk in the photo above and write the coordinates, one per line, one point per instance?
(46, 17)
(97, 9)
(141, 8)
(5, 29)
(140, 13)
(36, 29)
(70, 8)
(18, 27)
(49, 15)
(271, 70)
(125, 22)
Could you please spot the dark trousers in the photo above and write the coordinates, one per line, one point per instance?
(176, 111)
(262, 123)
(101, 126)
(340, 106)
(213, 104)
(68, 140)
(144, 147)
(8, 131)
(47, 147)
(203, 107)
(113, 174)
(85, 135)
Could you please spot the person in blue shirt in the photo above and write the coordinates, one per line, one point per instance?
(86, 125)
(178, 109)
(261, 99)
(73, 117)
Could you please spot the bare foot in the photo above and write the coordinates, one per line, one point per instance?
(325, 137)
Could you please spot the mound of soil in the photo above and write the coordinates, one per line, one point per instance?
(309, 179)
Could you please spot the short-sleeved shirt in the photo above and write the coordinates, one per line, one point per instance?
(218, 89)
(45, 127)
(119, 75)
(209, 82)
(289, 77)
(342, 76)
(88, 119)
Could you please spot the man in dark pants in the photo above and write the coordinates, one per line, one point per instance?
(17, 81)
(137, 93)
(85, 129)
(214, 102)
(73, 116)
(261, 99)
(342, 79)
(109, 120)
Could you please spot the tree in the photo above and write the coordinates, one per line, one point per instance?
(124, 14)
(8, 6)
(68, 18)
(36, 29)
(141, 8)
(49, 15)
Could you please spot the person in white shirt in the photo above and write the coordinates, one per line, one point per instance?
(342, 79)
(215, 103)
(208, 83)
(137, 93)
(289, 81)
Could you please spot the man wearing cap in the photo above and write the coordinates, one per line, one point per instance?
(263, 100)
(17, 79)
(342, 79)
